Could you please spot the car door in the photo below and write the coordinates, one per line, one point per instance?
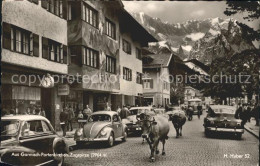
(33, 137)
(117, 126)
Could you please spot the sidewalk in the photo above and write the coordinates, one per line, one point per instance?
(252, 128)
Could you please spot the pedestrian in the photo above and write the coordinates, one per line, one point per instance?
(248, 112)
(199, 108)
(80, 117)
(43, 112)
(28, 111)
(118, 110)
(255, 113)
(70, 118)
(108, 108)
(63, 120)
(124, 112)
(242, 114)
(86, 112)
(37, 111)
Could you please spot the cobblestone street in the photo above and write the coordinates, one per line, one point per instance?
(193, 148)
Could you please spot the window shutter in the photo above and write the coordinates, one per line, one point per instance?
(45, 52)
(35, 45)
(64, 10)
(45, 4)
(65, 54)
(151, 83)
(6, 35)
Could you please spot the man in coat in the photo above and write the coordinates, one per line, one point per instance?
(64, 120)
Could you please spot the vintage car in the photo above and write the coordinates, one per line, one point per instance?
(104, 126)
(194, 103)
(221, 118)
(131, 121)
(30, 140)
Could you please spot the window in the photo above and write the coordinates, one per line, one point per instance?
(90, 57)
(110, 64)
(138, 53)
(53, 6)
(138, 78)
(148, 83)
(20, 40)
(126, 47)
(110, 29)
(165, 85)
(90, 15)
(54, 51)
(127, 74)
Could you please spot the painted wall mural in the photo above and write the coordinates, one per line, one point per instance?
(80, 33)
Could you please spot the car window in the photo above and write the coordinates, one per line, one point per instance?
(32, 128)
(9, 127)
(115, 118)
(45, 127)
(99, 117)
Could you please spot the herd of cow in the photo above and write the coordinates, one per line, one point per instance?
(156, 129)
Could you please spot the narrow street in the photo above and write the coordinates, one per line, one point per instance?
(193, 148)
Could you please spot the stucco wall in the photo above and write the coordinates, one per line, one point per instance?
(33, 62)
(34, 18)
(130, 61)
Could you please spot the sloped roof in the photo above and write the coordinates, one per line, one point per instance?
(157, 60)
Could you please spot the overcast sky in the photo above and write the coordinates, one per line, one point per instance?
(178, 12)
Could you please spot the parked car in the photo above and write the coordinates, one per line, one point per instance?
(131, 121)
(104, 126)
(221, 118)
(25, 135)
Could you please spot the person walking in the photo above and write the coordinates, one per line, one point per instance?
(86, 112)
(43, 112)
(70, 118)
(124, 112)
(118, 110)
(241, 114)
(108, 108)
(199, 108)
(63, 120)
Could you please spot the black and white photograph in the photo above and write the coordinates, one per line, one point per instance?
(129, 83)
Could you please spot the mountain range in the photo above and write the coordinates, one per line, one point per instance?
(204, 40)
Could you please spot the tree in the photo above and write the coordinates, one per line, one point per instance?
(242, 71)
(252, 8)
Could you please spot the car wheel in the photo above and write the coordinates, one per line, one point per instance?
(60, 162)
(125, 136)
(111, 140)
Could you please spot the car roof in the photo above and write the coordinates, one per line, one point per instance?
(224, 109)
(132, 108)
(23, 117)
(111, 113)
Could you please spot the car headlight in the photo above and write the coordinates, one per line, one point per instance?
(103, 133)
(79, 132)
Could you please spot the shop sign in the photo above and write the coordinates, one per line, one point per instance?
(63, 89)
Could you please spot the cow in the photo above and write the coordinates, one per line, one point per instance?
(178, 119)
(155, 129)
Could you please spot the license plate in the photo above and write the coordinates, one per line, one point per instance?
(138, 128)
(82, 120)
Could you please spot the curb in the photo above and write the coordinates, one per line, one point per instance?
(251, 131)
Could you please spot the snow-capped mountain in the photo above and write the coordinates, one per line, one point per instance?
(204, 40)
